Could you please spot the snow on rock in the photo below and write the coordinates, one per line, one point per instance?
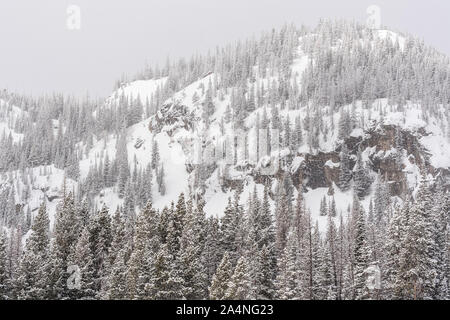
(394, 37)
(296, 163)
(332, 164)
(46, 184)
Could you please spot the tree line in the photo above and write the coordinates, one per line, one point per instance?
(249, 252)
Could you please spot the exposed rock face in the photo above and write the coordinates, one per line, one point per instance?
(314, 171)
(322, 170)
(171, 117)
(392, 172)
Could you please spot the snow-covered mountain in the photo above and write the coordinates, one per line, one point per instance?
(291, 166)
(179, 124)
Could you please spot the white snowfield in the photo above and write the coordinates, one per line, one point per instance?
(176, 148)
(142, 89)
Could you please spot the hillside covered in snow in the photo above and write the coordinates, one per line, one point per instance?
(328, 121)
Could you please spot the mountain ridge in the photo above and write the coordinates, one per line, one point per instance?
(182, 121)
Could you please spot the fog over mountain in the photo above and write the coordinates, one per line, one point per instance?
(41, 55)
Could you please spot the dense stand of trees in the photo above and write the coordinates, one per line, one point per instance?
(249, 253)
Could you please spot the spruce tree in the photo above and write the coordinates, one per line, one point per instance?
(239, 286)
(441, 221)
(212, 249)
(288, 281)
(345, 174)
(33, 278)
(393, 274)
(117, 278)
(191, 262)
(221, 279)
(228, 230)
(175, 227)
(5, 283)
(146, 245)
(420, 247)
(165, 282)
(155, 154)
(100, 238)
(83, 258)
(362, 178)
(361, 252)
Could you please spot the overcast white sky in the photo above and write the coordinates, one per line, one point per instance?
(38, 54)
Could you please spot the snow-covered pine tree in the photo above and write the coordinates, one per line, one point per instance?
(83, 258)
(100, 238)
(332, 211)
(329, 265)
(146, 245)
(288, 281)
(298, 133)
(33, 277)
(239, 285)
(176, 226)
(221, 279)
(190, 258)
(394, 265)
(129, 202)
(345, 173)
(165, 282)
(441, 224)
(5, 281)
(116, 283)
(345, 127)
(212, 252)
(160, 179)
(314, 260)
(419, 247)
(361, 177)
(323, 207)
(163, 223)
(122, 163)
(228, 230)
(361, 252)
(283, 214)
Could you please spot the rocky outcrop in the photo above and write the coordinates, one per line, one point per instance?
(317, 170)
(387, 148)
(171, 117)
(322, 170)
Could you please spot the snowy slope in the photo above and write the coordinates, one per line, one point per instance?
(46, 185)
(176, 144)
(144, 89)
(176, 141)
